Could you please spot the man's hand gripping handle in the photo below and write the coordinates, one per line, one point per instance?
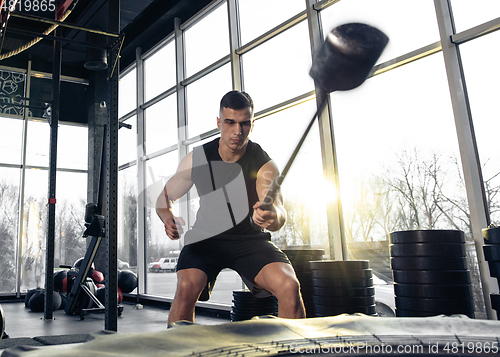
(268, 201)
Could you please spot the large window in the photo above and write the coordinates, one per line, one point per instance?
(158, 245)
(161, 125)
(467, 14)
(203, 101)
(260, 16)
(483, 96)
(207, 41)
(159, 71)
(11, 139)
(394, 136)
(9, 205)
(278, 70)
(305, 192)
(127, 94)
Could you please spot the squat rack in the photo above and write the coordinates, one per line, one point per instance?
(113, 47)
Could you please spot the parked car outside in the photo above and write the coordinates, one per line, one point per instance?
(163, 265)
(384, 297)
(123, 265)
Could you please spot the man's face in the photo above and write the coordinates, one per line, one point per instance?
(235, 126)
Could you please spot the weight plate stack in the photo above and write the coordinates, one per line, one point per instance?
(491, 249)
(300, 259)
(430, 273)
(245, 306)
(341, 287)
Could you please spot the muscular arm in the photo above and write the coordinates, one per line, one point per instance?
(274, 218)
(175, 188)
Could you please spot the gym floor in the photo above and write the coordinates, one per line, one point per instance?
(21, 322)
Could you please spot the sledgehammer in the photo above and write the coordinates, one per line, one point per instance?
(344, 61)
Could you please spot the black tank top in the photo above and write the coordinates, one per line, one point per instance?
(226, 190)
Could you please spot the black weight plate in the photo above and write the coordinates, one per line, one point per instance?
(303, 275)
(342, 274)
(342, 283)
(344, 301)
(347, 292)
(433, 291)
(339, 264)
(303, 258)
(445, 306)
(330, 315)
(300, 252)
(253, 306)
(337, 310)
(253, 312)
(427, 236)
(491, 235)
(428, 263)
(303, 253)
(427, 250)
(301, 267)
(254, 302)
(492, 252)
(408, 313)
(494, 269)
(431, 276)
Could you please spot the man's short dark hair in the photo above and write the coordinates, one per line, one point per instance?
(236, 100)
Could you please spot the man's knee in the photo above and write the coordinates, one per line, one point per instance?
(289, 286)
(190, 283)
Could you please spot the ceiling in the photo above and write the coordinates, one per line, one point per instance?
(142, 22)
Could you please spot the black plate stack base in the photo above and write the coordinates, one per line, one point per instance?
(341, 287)
(300, 259)
(245, 306)
(430, 273)
(491, 249)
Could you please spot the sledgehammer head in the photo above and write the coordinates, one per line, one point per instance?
(347, 56)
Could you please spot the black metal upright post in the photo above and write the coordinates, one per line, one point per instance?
(111, 299)
(54, 122)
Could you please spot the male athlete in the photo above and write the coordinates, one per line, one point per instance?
(232, 176)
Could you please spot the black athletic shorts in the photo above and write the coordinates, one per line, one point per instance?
(246, 256)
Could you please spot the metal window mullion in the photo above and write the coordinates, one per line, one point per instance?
(180, 59)
(141, 176)
(323, 4)
(158, 98)
(128, 115)
(476, 31)
(336, 234)
(160, 152)
(467, 143)
(22, 181)
(234, 44)
(207, 70)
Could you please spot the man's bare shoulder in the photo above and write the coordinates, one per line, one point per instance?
(186, 163)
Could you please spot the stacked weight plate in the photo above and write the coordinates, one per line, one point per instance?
(491, 249)
(246, 306)
(341, 287)
(430, 273)
(300, 259)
